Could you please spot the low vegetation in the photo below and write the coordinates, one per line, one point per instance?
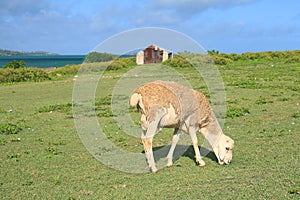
(255, 58)
(122, 63)
(10, 128)
(15, 64)
(12, 75)
(63, 108)
(237, 112)
(178, 61)
(15, 71)
(68, 70)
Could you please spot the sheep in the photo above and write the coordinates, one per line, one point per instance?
(171, 105)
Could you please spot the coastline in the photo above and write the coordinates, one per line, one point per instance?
(49, 61)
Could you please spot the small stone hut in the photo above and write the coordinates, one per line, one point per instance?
(153, 54)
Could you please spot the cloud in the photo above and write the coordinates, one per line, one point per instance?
(160, 12)
(189, 8)
(16, 7)
(61, 26)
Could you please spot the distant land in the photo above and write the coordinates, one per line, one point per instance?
(22, 53)
(39, 59)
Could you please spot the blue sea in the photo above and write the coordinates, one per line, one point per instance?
(44, 61)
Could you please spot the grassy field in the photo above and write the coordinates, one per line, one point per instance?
(43, 157)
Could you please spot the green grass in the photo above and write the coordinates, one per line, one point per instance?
(46, 159)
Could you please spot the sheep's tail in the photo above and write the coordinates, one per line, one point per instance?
(134, 99)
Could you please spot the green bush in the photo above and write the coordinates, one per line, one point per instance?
(178, 62)
(255, 57)
(221, 59)
(68, 70)
(293, 59)
(10, 75)
(250, 56)
(121, 63)
(63, 108)
(9, 128)
(263, 100)
(15, 64)
(213, 52)
(237, 112)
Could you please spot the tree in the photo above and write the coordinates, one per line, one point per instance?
(15, 64)
(99, 57)
(213, 52)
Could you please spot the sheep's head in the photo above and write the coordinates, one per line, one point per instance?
(223, 149)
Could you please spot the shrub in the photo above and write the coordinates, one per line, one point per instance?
(68, 70)
(10, 75)
(263, 100)
(178, 62)
(293, 59)
(187, 59)
(255, 57)
(213, 52)
(15, 64)
(121, 63)
(237, 112)
(63, 108)
(235, 56)
(9, 128)
(221, 59)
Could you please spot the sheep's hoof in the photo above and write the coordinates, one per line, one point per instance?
(169, 162)
(170, 165)
(154, 170)
(201, 163)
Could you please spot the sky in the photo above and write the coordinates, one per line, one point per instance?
(72, 27)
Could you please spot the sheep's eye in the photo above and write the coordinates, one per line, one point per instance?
(227, 148)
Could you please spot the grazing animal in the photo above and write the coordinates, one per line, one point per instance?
(171, 105)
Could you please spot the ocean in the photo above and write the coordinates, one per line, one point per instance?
(44, 61)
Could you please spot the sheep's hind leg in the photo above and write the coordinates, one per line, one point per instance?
(172, 148)
(147, 142)
(148, 134)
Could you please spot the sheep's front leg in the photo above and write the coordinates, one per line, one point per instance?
(198, 157)
(172, 148)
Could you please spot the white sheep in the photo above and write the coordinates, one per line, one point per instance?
(171, 105)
